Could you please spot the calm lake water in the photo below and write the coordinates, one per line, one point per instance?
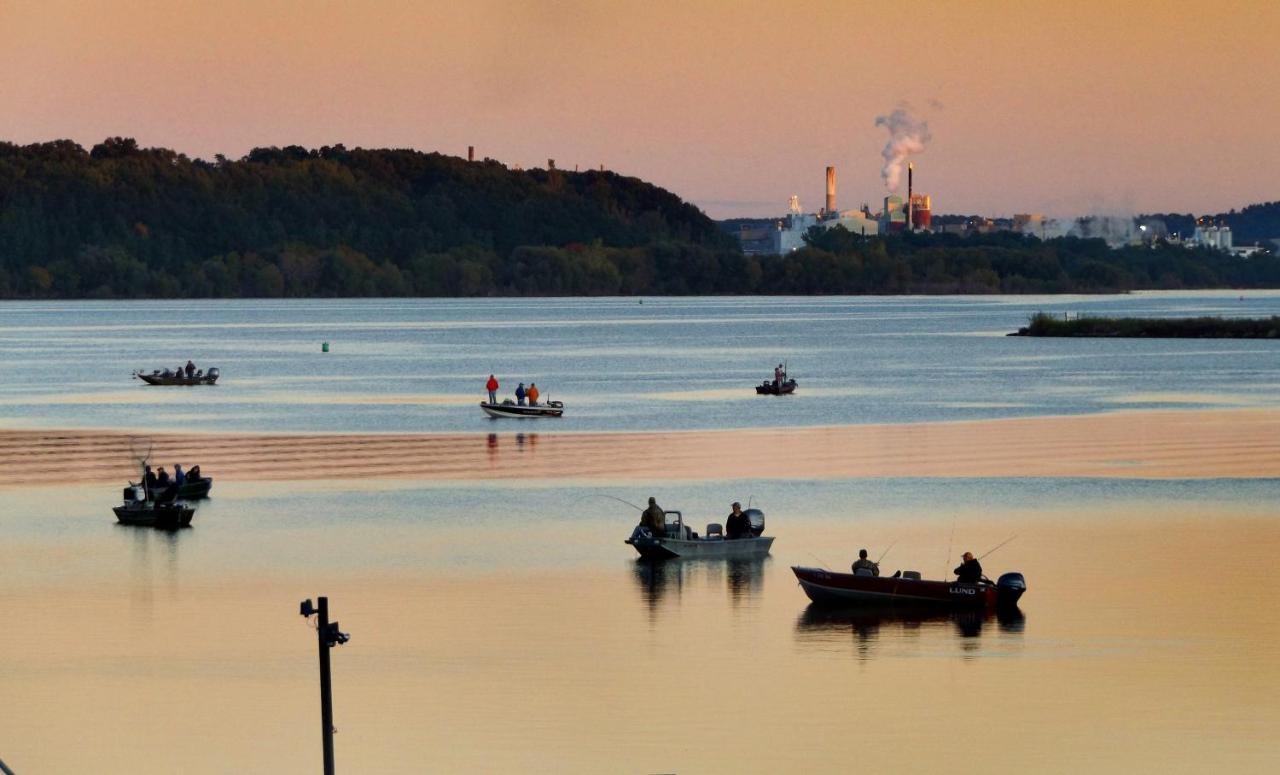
(504, 627)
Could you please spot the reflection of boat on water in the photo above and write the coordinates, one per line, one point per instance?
(681, 542)
(774, 388)
(827, 587)
(743, 577)
(865, 620)
(166, 377)
(509, 408)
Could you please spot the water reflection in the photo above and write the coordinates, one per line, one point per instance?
(877, 628)
(742, 578)
(144, 567)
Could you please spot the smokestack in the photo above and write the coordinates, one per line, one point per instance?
(471, 153)
(831, 189)
(910, 207)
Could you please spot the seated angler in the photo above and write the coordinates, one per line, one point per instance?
(969, 571)
(737, 525)
(862, 563)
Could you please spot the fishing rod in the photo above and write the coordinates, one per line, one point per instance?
(619, 500)
(950, 541)
(819, 559)
(886, 551)
(997, 546)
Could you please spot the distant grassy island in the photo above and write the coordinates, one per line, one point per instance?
(1044, 324)
(121, 221)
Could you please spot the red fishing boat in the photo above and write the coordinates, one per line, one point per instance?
(832, 588)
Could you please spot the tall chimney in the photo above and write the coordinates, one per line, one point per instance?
(910, 208)
(471, 153)
(831, 190)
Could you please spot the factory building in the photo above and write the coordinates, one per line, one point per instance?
(915, 213)
(788, 234)
(1210, 235)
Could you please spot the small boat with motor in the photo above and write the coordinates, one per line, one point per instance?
(827, 587)
(168, 377)
(509, 408)
(140, 511)
(771, 387)
(682, 542)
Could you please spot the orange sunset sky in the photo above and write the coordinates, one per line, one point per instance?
(1064, 107)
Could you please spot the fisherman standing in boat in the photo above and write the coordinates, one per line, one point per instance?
(520, 394)
(655, 519)
(737, 525)
(969, 571)
(492, 387)
(533, 394)
(190, 369)
(862, 563)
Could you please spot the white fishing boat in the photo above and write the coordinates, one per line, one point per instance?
(509, 408)
(682, 542)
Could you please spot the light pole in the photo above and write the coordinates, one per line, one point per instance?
(328, 636)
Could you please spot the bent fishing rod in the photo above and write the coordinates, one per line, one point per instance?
(997, 546)
(619, 500)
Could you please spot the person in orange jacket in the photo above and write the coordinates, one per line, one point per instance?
(492, 387)
(532, 392)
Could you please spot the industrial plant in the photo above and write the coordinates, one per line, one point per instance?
(785, 235)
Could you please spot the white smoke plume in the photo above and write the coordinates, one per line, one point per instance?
(908, 135)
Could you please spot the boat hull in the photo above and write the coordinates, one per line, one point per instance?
(164, 516)
(159, 379)
(769, 389)
(549, 409)
(826, 587)
(701, 548)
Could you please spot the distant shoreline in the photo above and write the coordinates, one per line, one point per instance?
(1043, 324)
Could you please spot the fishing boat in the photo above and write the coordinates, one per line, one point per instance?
(827, 587)
(509, 408)
(140, 511)
(167, 377)
(680, 542)
(774, 388)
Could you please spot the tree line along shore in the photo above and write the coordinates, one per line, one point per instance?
(1044, 324)
(120, 221)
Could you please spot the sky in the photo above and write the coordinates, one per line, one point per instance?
(1063, 108)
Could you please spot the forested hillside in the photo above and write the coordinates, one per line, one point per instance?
(123, 221)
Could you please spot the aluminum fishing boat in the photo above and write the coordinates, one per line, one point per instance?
(682, 542)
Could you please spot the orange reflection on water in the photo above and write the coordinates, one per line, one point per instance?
(1241, 443)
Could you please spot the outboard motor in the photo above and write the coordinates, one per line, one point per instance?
(756, 517)
(1009, 587)
(213, 373)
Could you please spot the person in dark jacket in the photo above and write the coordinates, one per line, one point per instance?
(969, 571)
(655, 519)
(178, 476)
(520, 394)
(862, 563)
(190, 369)
(737, 525)
(149, 482)
(162, 477)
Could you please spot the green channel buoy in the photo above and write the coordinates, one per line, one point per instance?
(324, 347)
